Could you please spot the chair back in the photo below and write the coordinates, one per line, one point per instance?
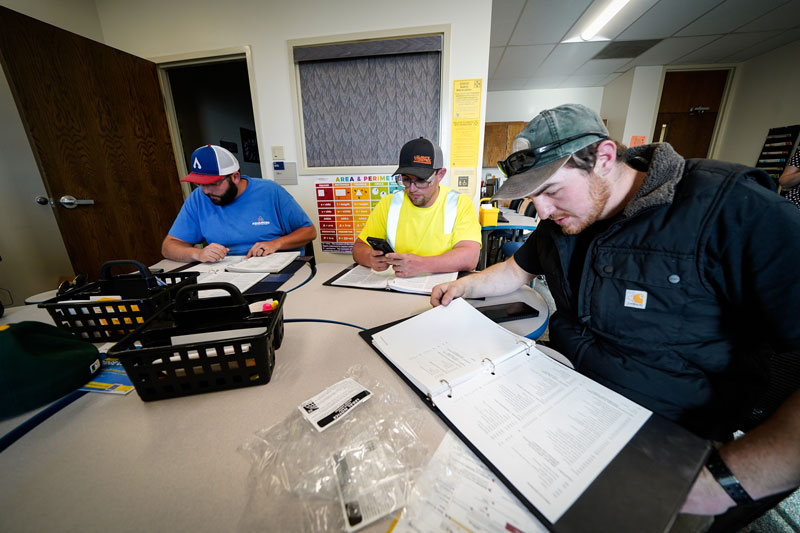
(527, 208)
(309, 251)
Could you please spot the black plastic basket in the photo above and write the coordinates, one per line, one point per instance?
(162, 365)
(142, 294)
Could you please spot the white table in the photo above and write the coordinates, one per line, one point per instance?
(116, 463)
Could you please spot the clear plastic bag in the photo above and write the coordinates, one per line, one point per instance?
(305, 480)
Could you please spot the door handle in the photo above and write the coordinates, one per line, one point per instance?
(71, 203)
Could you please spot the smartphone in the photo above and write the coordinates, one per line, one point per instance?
(380, 244)
(509, 311)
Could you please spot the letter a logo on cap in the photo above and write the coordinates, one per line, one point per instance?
(196, 163)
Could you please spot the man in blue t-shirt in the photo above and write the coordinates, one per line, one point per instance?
(234, 214)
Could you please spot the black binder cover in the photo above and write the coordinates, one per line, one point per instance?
(641, 490)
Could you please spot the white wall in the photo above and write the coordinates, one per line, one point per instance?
(507, 106)
(764, 95)
(643, 105)
(616, 97)
(154, 29)
(32, 251)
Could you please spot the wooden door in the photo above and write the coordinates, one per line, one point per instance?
(96, 122)
(497, 140)
(689, 108)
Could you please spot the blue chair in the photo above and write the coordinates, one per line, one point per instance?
(507, 241)
(509, 248)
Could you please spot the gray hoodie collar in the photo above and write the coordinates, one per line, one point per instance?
(664, 168)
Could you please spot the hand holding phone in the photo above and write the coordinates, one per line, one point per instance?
(380, 244)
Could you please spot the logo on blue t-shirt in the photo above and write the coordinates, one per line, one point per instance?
(261, 222)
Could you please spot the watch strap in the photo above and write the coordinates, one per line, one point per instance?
(726, 479)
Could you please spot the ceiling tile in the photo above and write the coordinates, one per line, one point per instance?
(547, 21)
(600, 66)
(505, 14)
(627, 16)
(567, 57)
(666, 18)
(521, 61)
(765, 46)
(781, 18)
(593, 80)
(723, 47)
(729, 16)
(669, 50)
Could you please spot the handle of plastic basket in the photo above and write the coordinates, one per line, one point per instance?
(105, 271)
(185, 293)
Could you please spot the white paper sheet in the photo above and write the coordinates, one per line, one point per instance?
(242, 281)
(458, 494)
(550, 430)
(435, 361)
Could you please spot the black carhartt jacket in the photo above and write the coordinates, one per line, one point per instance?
(680, 295)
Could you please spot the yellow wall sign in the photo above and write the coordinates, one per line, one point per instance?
(465, 132)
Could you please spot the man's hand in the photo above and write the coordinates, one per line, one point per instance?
(262, 248)
(444, 293)
(378, 261)
(211, 253)
(406, 265)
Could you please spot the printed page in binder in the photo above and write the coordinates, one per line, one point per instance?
(442, 347)
(365, 278)
(547, 429)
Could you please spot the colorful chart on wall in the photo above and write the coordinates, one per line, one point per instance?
(344, 204)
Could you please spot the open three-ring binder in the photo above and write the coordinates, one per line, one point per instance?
(575, 453)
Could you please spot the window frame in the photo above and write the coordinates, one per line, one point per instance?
(299, 127)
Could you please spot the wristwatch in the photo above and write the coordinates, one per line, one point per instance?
(726, 479)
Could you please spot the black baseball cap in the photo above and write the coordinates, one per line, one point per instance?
(420, 158)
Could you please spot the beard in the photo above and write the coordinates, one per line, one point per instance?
(227, 197)
(599, 192)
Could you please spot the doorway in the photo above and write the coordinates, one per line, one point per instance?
(211, 103)
(689, 110)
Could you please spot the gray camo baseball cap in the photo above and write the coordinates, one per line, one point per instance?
(569, 128)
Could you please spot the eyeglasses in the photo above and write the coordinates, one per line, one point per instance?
(526, 159)
(407, 181)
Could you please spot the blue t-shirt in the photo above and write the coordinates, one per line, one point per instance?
(263, 212)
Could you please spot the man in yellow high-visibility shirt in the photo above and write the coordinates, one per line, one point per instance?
(430, 227)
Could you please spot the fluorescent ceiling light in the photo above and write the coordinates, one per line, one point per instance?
(602, 19)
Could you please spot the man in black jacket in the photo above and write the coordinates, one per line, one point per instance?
(669, 278)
